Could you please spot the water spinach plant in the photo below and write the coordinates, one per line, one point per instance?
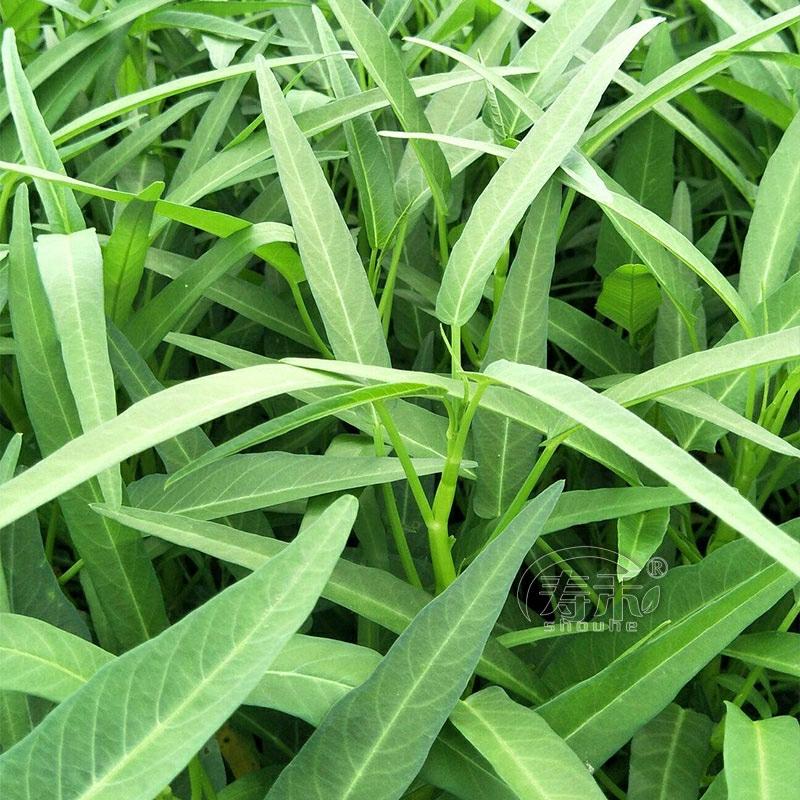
(399, 399)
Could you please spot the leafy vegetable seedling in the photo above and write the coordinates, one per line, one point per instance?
(399, 399)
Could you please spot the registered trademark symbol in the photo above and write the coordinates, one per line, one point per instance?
(656, 567)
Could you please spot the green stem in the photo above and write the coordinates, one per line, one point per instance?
(568, 570)
(387, 296)
(69, 574)
(395, 522)
(515, 506)
(372, 274)
(414, 482)
(438, 534)
(693, 555)
(609, 785)
(441, 226)
(455, 351)
(308, 322)
(757, 672)
(196, 778)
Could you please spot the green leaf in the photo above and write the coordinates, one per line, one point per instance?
(146, 423)
(760, 757)
(339, 284)
(137, 379)
(518, 333)
(523, 749)
(638, 537)
(40, 659)
(399, 710)
(685, 74)
(707, 605)
(511, 190)
(372, 593)
(699, 404)
(422, 431)
(372, 171)
(630, 297)
(668, 755)
(675, 118)
(212, 125)
(123, 577)
(726, 358)
(311, 674)
(55, 58)
(37, 146)
(457, 767)
(644, 164)
(260, 480)
(552, 48)
(153, 321)
(771, 239)
(71, 268)
(98, 754)
(299, 417)
(774, 650)
(650, 448)
(254, 302)
(371, 41)
(642, 227)
(740, 17)
(121, 158)
(596, 346)
(214, 222)
(123, 258)
(30, 585)
(306, 678)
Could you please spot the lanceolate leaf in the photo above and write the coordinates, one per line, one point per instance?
(776, 650)
(371, 593)
(192, 377)
(771, 239)
(668, 755)
(708, 605)
(339, 284)
(533, 760)
(144, 425)
(96, 753)
(71, 268)
(644, 164)
(759, 756)
(151, 323)
(638, 537)
(311, 674)
(308, 676)
(55, 58)
(259, 480)
(519, 333)
(653, 450)
(124, 580)
(355, 753)
(371, 42)
(37, 146)
(139, 382)
(42, 660)
(302, 416)
(124, 257)
(512, 189)
(371, 169)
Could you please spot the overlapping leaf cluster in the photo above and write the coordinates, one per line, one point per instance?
(399, 399)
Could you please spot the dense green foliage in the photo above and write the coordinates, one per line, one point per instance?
(399, 399)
